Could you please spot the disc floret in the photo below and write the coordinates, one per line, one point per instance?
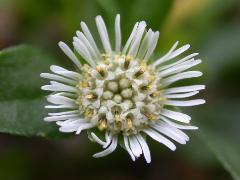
(122, 92)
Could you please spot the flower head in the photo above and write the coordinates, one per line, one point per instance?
(121, 94)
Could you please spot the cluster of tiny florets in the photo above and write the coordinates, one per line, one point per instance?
(120, 94)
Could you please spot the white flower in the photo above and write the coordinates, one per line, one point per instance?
(120, 93)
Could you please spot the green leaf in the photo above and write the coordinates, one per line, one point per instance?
(219, 129)
(21, 100)
(19, 72)
(25, 117)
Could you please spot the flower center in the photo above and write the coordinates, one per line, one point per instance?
(120, 94)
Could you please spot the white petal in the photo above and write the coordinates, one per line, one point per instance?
(179, 68)
(135, 146)
(70, 125)
(137, 39)
(152, 45)
(56, 86)
(178, 133)
(126, 143)
(83, 127)
(108, 138)
(71, 122)
(184, 89)
(161, 139)
(89, 37)
(61, 117)
(178, 62)
(194, 102)
(70, 128)
(87, 44)
(63, 113)
(60, 106)
(118, 34)
(97, 139)
(65, 72)
(61, 100)
(171, 54)
(167, 131)
(179, 51)
(146, 42)
(83, 51)
(133, 33)
(57, 78)
(179, 126)
(180, 76)
(69, 53)
(178, 116)
(102, 30)
(109, 150)
(67, 94)
(174, 130)
(145, 148)
(184, 95)
(164, 58)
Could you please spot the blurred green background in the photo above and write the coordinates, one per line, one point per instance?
(212, 27)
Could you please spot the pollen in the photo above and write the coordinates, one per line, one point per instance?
(129, 123)
(102, 124)
(141, 70)
(91, 96)
(127, 62)
(101, 71)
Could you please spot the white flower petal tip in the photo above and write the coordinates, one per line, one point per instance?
(108, 150)
(145, 148)
(120, 92)
(97, 139)
(42, 74)
(176, 116)
(69, 53)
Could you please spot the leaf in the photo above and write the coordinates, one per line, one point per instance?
(25, 117)
(220, 132)
(21, 100)
(19, 72)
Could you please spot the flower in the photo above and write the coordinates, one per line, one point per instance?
(120, 96)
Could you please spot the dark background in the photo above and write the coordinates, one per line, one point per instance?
(212, 27)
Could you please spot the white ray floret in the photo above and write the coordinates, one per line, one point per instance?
(119, 94)
(89, 37)
(183, 95)
(97, 139)
(69, 53)
(135, 146)
(126, 144)
(178, 116)
(145, 148)
(118, 34)
(184, 89)
(108, 150)
(170, 133)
